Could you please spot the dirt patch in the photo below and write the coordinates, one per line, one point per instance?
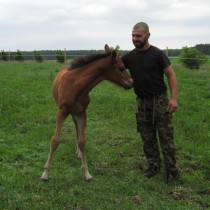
(178, 194)
(205, 192)
(137, 199)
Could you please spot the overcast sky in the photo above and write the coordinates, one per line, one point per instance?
(90, 24)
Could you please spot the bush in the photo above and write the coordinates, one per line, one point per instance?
(192, 58)
(118, 50)
(19, 56)
(4, 56)
(60, 56)
(38, 56)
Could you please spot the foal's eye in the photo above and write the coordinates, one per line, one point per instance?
(122, 69)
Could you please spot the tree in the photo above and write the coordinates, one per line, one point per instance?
(60, 56)
(19, 56)
(4, 55)
(192, 58)
(38, 56)
(118, 50)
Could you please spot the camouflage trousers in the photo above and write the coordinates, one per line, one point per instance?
(154, 122)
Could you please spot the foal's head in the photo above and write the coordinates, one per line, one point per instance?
(117, 72)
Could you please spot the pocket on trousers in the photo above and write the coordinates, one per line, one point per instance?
(142, 122)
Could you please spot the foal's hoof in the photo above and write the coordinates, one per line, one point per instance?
(44, 178)
(89, 180)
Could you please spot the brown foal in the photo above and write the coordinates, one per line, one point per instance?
(71, 89)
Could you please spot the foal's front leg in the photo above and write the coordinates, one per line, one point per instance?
(81, 124)
(61, 116)
(78, 153)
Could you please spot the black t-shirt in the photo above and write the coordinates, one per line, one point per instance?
(147, 70)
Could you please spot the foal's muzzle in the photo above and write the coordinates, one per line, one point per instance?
(128, 85)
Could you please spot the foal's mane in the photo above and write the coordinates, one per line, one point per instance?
(83, 60)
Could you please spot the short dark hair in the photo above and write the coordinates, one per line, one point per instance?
(142, 25)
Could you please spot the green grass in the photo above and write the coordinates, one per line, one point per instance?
(114, 149)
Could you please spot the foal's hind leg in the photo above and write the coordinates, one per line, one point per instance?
(61, 116)
(81, 124)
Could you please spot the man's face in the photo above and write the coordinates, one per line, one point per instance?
(139, 38)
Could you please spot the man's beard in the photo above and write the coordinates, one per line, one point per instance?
(139, 44)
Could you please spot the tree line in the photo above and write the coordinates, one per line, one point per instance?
(191, 57)
(39, 56)
(203, 48)
(69, 54)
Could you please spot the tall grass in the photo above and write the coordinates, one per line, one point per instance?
(114, 149)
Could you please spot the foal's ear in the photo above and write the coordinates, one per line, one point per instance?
(107, 49)
(114, 54)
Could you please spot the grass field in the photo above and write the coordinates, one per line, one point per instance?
(114, 149)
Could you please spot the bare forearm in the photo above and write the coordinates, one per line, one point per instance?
(172, 82)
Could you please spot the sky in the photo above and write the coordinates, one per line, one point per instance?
(90, 24)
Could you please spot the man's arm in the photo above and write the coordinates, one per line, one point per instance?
(172, 82)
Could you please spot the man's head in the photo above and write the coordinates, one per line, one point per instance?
(140, 36)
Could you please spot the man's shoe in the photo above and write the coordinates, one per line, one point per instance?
(151, 171)
(172, 178)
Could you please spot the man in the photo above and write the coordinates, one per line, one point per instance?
(148, 65)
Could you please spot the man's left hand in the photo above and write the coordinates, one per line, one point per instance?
(172, 105)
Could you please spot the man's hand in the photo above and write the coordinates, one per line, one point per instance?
(172, 105)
